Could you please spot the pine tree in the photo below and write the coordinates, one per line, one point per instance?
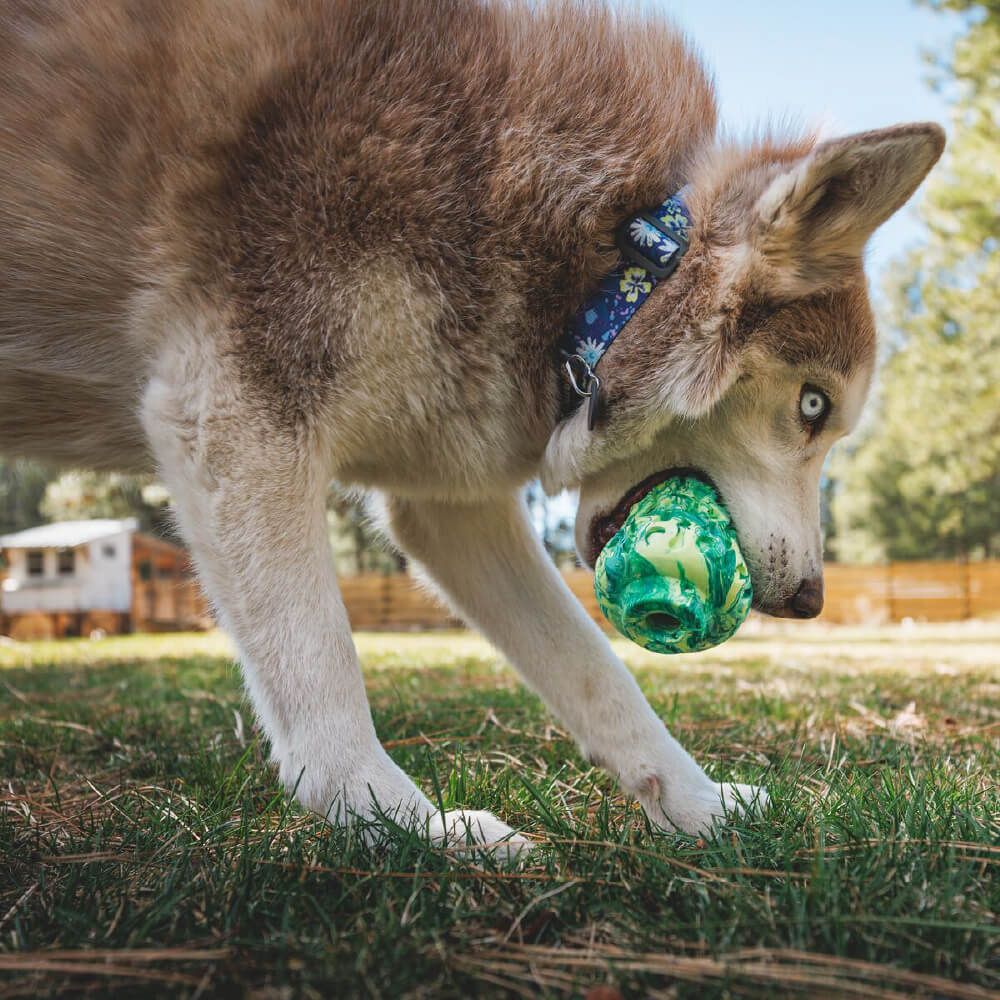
(924, 479)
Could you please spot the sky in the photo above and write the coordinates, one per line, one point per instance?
(847, 66)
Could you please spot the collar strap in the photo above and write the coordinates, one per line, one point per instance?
(651, 244)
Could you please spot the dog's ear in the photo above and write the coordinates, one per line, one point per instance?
(811, 223)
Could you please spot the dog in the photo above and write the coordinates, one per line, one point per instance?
(259, 245)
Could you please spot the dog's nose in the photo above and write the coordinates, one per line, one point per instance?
(807, 601)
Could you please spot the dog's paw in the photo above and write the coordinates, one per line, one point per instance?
(697, 810)
(716, 803)
(478, 832)
(744, 800)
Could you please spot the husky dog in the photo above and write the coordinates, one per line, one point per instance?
(257, 245)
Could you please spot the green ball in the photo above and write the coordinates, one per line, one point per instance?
(673, 578)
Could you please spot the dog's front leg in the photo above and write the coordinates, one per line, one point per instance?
(492, 568)
(249, 496)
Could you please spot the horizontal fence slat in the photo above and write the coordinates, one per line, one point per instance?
(934, 591)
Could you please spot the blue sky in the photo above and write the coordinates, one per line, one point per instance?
(849, 66)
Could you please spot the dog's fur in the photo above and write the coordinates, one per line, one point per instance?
(260, 244)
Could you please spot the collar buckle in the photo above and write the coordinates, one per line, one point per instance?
(646, 241)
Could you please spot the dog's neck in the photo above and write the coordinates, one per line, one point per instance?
(651, 244)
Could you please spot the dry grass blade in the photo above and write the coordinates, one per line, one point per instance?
(123, 955)
(118, 963)
(970, 851)
(713, 875)
(89, 969)
(812, 974)
(475, 876)
(22, 899)
(870, 970)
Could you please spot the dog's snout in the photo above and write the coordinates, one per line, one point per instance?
(807, 601)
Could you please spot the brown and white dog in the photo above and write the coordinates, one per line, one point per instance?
(261, 244)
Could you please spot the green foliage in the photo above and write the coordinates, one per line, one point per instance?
(30, 494)
(145, 848)
(83, 494)
(924, 479)
(358, 546)
(22, 487)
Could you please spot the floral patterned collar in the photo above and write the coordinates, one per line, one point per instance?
(652, 244)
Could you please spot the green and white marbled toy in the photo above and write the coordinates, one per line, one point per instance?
(673, 578)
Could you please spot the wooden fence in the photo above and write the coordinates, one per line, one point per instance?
(923, 591)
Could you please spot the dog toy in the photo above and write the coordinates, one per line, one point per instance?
(672, 578)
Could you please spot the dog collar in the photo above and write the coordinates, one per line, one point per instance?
(651, 244)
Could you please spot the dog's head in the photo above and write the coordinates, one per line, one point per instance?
(749, 362)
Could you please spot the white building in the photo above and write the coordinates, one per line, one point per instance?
(69, 566)
(71, 577)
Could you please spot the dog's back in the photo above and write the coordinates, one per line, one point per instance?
(230, 146)
(87, 100)
(87, 95)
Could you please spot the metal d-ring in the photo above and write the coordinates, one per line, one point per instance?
(593, 383)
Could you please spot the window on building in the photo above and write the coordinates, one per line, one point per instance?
(67, 562)
(145, 570)
(36, 563)
(164, 571)
(108, 551)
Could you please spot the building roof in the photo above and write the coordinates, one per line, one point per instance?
(67, 534)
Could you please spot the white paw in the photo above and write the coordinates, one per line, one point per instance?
(697, 810)
(478, 832)
(742, 800)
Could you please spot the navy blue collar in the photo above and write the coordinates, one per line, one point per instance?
(651, 244)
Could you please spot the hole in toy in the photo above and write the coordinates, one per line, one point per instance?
(660, 621)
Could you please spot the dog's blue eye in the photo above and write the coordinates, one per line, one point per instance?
(813, 405)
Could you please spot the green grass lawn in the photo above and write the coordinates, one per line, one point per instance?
(145, 848)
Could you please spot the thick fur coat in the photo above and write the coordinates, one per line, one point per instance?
(258, 245)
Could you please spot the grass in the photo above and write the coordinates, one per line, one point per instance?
(145, 847)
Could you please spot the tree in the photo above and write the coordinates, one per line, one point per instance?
(924, 478)
(22, 487)
(358, 546)
(82, 494)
